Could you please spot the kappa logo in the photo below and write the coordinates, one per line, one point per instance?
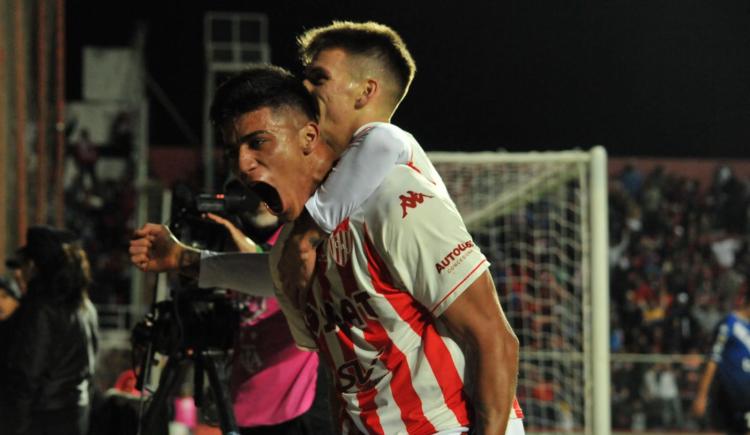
(411, 201)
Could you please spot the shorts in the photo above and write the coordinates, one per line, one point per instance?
(515, 427)
(731, 414)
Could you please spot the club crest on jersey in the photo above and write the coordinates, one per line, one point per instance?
(340, 243)
(411, 200)
(453, 258)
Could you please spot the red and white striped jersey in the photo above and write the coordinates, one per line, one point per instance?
(383, 279)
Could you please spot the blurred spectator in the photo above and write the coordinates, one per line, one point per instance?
(669, 394)
(650, 393)
(117, 411)
(86, 156)
(51, 351)
(632, 180)
(121, 134)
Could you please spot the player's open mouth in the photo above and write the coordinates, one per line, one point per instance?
(269, 196)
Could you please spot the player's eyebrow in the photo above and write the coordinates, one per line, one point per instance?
(248, 137)
(314, 71)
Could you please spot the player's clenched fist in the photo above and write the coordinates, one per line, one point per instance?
(154, 249)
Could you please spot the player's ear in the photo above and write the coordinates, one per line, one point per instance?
(309, 135)
(369, 89)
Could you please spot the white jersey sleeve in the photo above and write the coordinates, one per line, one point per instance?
(370, 157)
(429, 249)
(243, 272)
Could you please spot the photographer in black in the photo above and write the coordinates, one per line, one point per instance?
(272, 383)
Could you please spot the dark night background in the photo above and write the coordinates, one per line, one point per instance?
(648, 78)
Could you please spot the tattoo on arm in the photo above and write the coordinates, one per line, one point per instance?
(190, 262)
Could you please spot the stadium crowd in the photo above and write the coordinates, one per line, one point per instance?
(679, 262)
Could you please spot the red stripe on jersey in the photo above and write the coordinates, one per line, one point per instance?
(468, 275)
(517, 408)
(369, 415)
(405, 305)
(445, 370)
(413, 166)
(402, 388)
(435, 349)
(365, 399)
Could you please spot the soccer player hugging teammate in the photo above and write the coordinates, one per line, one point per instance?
(401, 304)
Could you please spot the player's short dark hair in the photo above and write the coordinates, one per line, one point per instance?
(370, 39)
(257, 87)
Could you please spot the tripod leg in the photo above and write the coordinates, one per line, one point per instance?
(156, 413)
(211, 361)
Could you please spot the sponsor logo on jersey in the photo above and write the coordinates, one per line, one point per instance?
(454, 257)
(411, 200)
(340, 244)
(352, 310)
(353, 374)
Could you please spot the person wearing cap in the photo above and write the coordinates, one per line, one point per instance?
(51, 349)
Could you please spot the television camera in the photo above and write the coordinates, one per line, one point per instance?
(195, 325)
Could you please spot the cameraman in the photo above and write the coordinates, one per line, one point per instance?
(273, 384)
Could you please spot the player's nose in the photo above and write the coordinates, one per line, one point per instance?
(247, 163)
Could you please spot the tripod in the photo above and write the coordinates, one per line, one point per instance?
(193, 326)
(207, 360)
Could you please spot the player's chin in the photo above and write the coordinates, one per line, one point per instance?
(270, 197)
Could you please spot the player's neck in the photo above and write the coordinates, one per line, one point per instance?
(744, 314)
(368, 116)
(340, 141)
(320, 166)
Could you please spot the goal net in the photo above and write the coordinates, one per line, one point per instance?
(535, 217)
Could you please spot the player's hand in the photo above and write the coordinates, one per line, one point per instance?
(154, 249)
(244, 243)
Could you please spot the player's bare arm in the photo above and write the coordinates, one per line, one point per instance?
(701, 399)
(478, 319)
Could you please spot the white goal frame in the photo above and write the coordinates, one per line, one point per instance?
(596, 272)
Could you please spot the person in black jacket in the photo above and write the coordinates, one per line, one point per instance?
(51, 351)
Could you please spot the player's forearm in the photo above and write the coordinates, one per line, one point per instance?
(190, 262)
(706, 379)
(497, 361)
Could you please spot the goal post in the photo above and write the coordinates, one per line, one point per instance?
(541, 219)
